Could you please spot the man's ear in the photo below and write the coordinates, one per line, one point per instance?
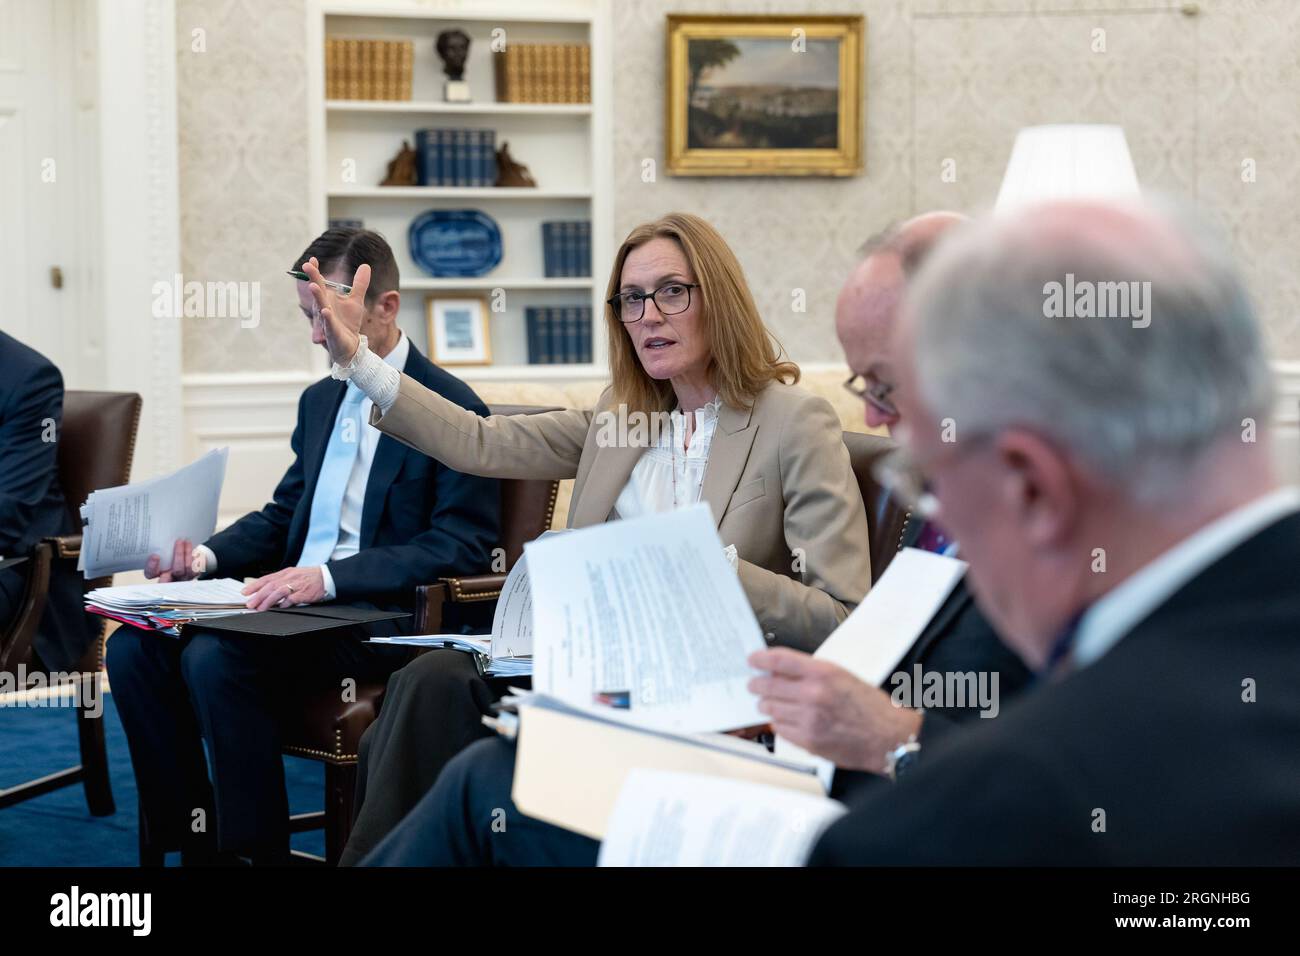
(1039, 485)
(388, 305)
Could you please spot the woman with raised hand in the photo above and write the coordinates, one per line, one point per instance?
(687, 345)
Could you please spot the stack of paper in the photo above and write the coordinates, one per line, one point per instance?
(165, 607)
(478, 645)
(123, 526)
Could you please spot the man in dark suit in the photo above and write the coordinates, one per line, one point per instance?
(32, 505)
(358, 519)
(811, 702)
(1115, 496)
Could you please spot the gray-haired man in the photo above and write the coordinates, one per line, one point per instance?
(1109, 477)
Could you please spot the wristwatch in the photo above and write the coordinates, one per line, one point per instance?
(899, 760)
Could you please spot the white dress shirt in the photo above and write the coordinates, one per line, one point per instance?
(1125, 606)
(354, 495)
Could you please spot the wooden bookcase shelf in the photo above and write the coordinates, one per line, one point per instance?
(566, 147)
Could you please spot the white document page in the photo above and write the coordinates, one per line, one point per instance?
(882, 629)
(512, 621)
(650, 609)
(128, 523)
(666, 818)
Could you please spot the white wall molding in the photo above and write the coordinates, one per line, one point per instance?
(139, 221)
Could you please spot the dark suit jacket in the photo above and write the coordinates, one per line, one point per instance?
(31, 502)
(420, 520)
(1156, 735)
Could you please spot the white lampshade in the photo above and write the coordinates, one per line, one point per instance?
(1067, 162)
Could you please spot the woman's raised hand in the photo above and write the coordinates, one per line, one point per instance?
(340, 315)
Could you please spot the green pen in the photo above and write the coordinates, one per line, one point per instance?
(337, 286)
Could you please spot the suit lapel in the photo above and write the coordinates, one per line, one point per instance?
(610, 471)
(728, 453)
(314, 452)
(388, 461)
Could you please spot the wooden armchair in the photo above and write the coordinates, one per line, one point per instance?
(96, 447)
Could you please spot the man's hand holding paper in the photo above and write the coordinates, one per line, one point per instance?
(827, 711)
(129, 528)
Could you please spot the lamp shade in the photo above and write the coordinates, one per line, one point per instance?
(1067, 162)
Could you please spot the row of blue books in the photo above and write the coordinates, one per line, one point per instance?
(558, 335)
(566, 248)
(456, 157)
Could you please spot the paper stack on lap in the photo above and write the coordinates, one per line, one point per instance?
(165, 607)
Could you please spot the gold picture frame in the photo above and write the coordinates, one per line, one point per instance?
(746, 49)
(459, 329)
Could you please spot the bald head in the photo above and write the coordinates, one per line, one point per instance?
(867, 309)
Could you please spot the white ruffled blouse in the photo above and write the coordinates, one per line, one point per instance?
(668, 476)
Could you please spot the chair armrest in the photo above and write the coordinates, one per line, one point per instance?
(66, 545)
(475, 587)
(16, 636)
(431, 600)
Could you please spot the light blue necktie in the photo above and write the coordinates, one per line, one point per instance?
(332, 482)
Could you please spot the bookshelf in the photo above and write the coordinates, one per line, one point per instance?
(566, 147)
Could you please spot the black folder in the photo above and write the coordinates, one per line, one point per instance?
(10, 562)
(288, 621)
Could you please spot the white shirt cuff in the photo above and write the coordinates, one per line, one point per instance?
(207, 559)
(375, 377)
(328, 580)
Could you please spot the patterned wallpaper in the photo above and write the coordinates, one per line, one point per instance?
(1198, 96)
(241, 100)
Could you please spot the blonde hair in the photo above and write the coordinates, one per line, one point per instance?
(744, 356)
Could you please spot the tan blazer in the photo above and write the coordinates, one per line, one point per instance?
(778, 481)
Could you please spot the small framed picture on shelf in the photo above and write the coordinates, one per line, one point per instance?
(458, 330)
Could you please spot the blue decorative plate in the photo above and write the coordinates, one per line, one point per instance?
(460, 243)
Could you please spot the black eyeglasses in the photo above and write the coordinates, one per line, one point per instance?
(874, 391)
(670, 298)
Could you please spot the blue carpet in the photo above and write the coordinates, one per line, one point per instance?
(57, 830)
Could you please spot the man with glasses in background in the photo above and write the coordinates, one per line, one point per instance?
(1113, 484)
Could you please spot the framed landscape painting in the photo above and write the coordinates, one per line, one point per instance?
(764, 95)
